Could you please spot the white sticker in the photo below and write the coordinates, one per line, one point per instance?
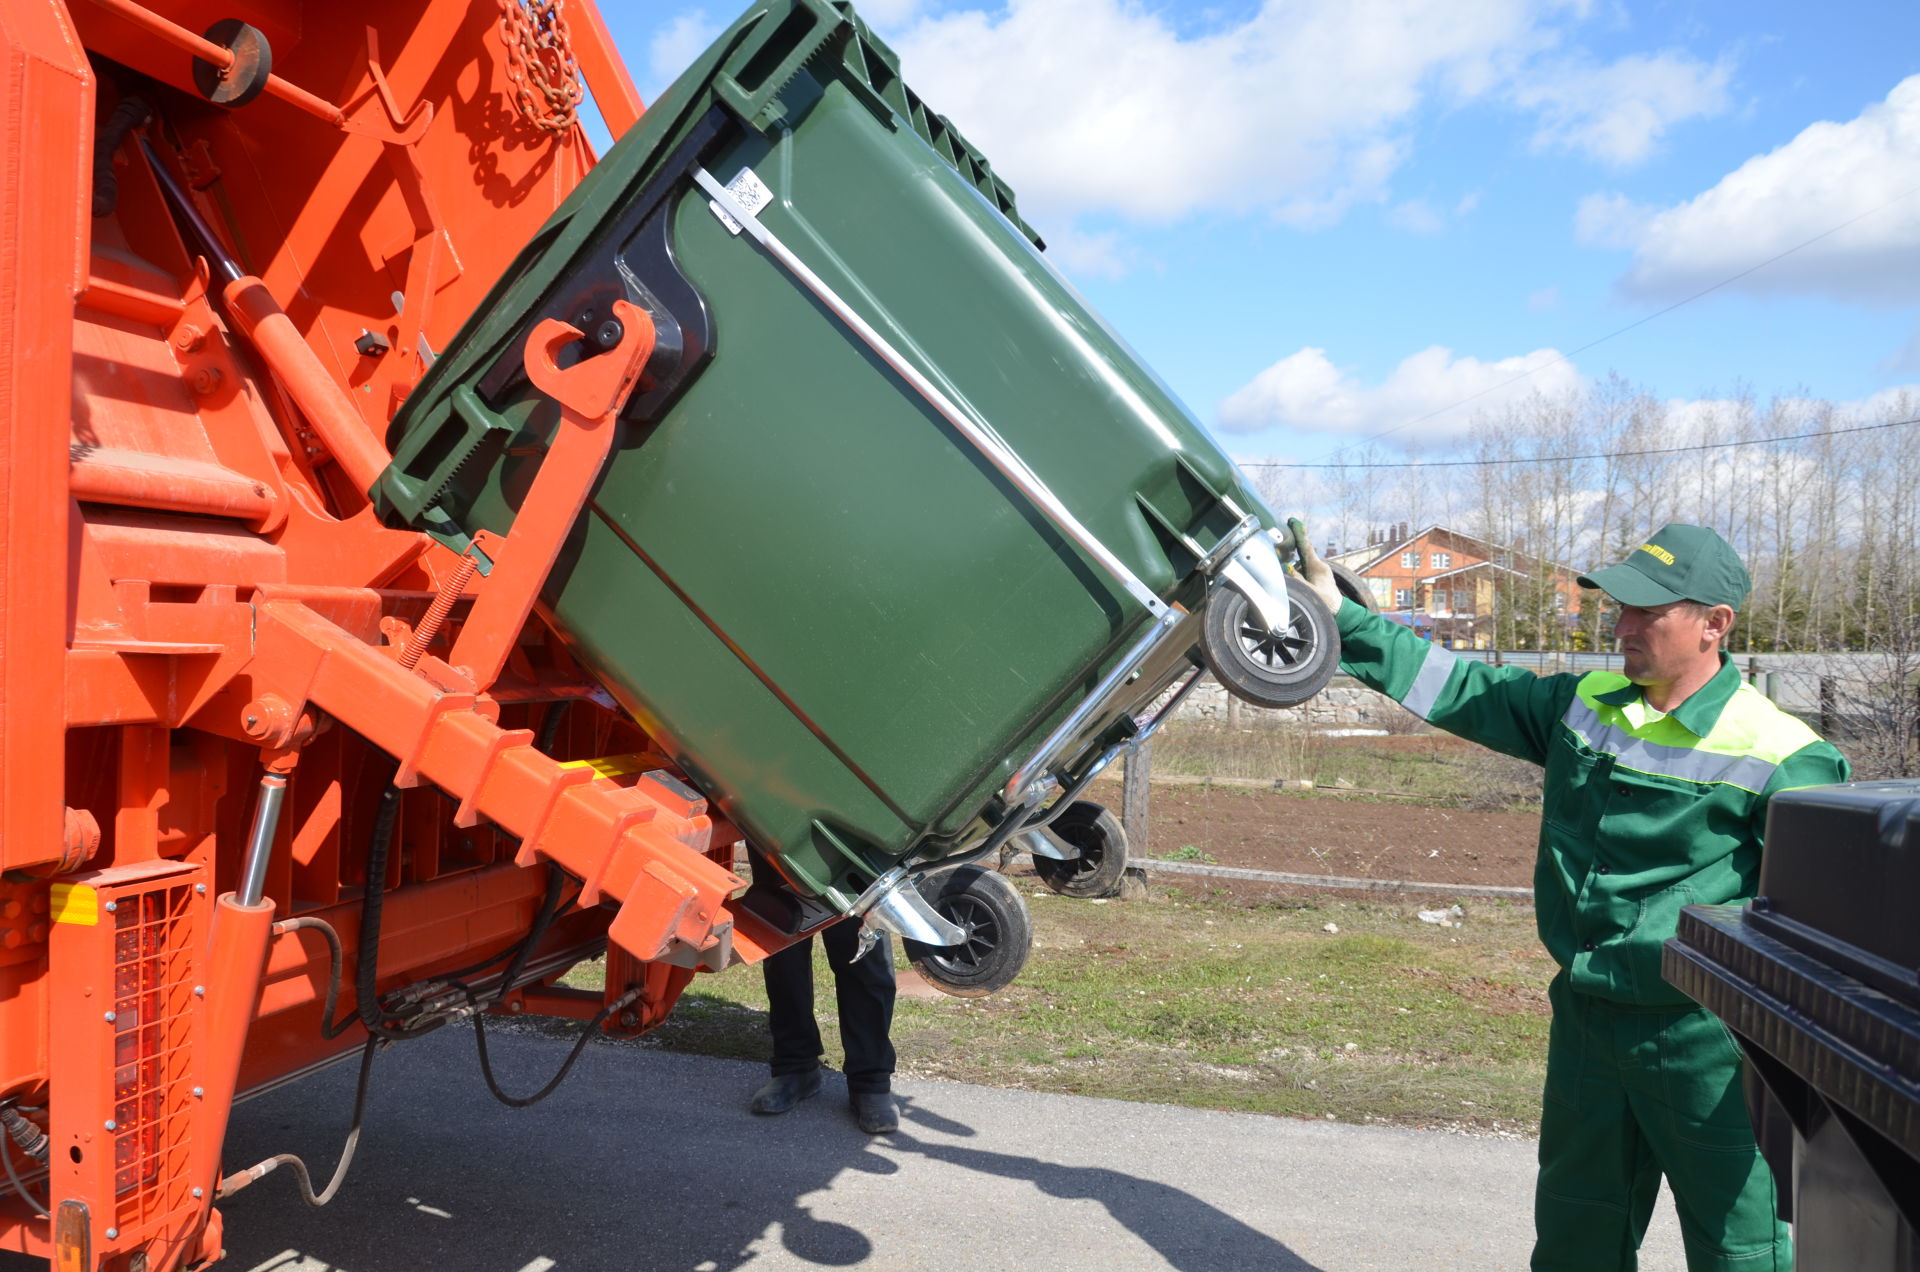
(749, 192)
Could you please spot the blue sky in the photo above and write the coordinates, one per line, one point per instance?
(1320, 220)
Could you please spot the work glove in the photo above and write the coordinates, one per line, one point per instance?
(1313, 571)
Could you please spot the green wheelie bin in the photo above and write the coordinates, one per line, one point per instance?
(898, 544)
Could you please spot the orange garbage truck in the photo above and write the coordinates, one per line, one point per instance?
(433, 555)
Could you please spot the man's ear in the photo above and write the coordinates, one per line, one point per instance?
(1719, 622)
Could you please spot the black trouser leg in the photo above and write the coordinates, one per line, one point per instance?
(796, 1035)
(864, 991)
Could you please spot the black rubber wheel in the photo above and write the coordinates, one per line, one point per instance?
(999, 934)
(1352, 587)
(1102, 862)
(1270, 669)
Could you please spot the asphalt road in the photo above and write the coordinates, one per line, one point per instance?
(645, 1161)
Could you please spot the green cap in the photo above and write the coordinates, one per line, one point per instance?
(1679, 563)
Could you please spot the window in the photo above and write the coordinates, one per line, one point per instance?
(1403, 598)
(1409, 560)
(1463, 602)
(1443, 560)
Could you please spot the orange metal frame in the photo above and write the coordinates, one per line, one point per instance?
(195, 595)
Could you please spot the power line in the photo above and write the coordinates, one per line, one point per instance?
(1568, 459)
(1568, 356)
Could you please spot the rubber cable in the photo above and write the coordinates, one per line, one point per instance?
(29, 1139)
(367, 965)
(566, 1067)
(240, 1179)
(19, 1186)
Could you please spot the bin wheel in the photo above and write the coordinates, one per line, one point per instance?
(1352, 588)
(1102, 862)
(1270, 669)
(999, 933)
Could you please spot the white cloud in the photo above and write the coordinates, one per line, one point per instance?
(1416, 216)
(675, 47)
(1617, 113)
(888, 15)
(1298, 112)
(1611, 220)
(1306, 393)
(1815, 185)
(1092, 254)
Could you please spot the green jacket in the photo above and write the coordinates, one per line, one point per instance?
(1642, 812)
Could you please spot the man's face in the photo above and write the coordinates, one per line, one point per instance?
(1662, 643)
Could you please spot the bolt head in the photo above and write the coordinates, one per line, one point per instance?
(198, 1092)
(111, 906)
(199, 991)
(198, 1193)
(200, 888)
(113, 1234)
(112, 1125)
(111, 1017)
(609, 334)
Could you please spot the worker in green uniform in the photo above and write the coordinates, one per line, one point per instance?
(1655, 797)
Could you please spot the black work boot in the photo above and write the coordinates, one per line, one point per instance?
(784, 1091)
(876, 1111)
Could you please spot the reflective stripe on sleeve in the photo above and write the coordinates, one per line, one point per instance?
(1434, 671)
(1748, 772)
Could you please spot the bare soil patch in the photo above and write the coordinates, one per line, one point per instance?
(1327, 835)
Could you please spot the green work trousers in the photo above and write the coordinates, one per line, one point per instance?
(1634, 1093)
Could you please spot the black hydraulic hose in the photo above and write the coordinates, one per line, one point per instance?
(127, 116)
(550, 726)
(566, 1067)
(240, 1179)
(542, 920)
(367, 965)
(550, 906)
(329, 1027)
(32, 1141)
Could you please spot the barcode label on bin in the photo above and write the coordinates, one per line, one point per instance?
(749, 191)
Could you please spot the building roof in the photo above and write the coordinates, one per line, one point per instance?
(1483, 547)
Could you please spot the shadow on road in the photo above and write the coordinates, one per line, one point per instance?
(646, 1162)
(1187, 1232)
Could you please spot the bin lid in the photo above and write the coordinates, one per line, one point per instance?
(1844, 861)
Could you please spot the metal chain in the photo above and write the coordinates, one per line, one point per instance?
(540, 65)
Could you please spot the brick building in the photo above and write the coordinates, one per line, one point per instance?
(1445, 584)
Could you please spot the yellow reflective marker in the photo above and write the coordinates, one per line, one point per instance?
(608, 765)
(76, 903)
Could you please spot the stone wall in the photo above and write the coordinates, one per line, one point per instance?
(1343, 704)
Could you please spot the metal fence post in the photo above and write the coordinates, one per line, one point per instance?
(1135, 777)
(1826, 706)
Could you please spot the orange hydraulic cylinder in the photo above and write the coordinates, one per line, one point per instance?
(238, 958)
(312, 388)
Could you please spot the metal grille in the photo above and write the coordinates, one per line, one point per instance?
(155, 941)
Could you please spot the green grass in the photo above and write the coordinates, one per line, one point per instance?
(1215, 1005)
(1435, 769)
